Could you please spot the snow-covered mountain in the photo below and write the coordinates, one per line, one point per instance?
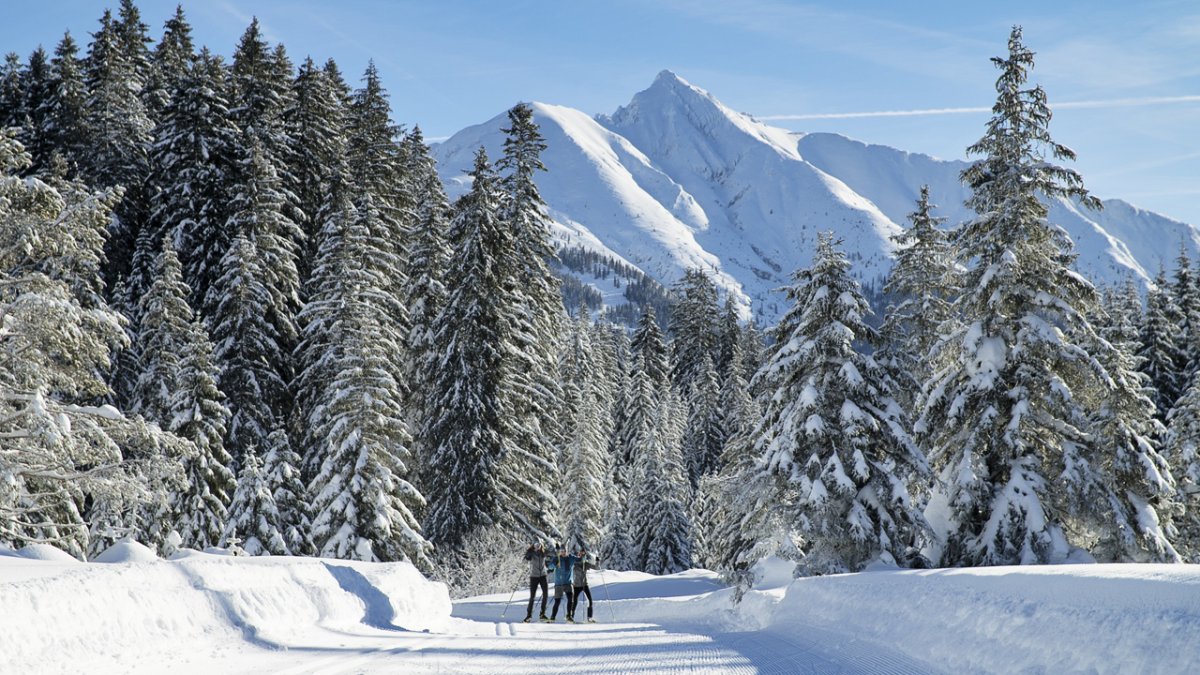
(675, 179)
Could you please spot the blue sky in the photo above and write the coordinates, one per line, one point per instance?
(1127, 74)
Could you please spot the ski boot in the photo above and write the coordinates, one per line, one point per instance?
(527, 619)
(591, 620)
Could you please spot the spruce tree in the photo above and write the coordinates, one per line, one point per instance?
(536, 320)
(255, 320)
(170, 63)
(11, 91)
(705, 434)
(193, 165)
(1185, 291)
(59, 338)
(658, 513)
(638, 403)
(465, 431)
(694, 327)
(36, 87)
(178, 391)
(246, 345)
(316, 120)
(1182, 449)
(1007, 414)
(64, 112)
(583, 460)
(923, 284)
(832, 431)
(253, 515)
(1134, 481)
(281, 467)
(119, 133)
(1161, 352)
(428, 263)
(363, 503)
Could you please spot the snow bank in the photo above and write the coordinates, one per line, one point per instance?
(1058, 619)
(62, 615)
(126, 552)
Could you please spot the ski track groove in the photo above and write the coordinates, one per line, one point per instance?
(593, 649)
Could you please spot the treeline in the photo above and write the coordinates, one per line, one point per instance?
(240, 310)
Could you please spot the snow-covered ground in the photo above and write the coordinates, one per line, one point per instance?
(206, 613)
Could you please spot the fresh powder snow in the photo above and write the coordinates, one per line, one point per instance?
(204, 613)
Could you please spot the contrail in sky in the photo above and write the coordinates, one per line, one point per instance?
(1107, 103)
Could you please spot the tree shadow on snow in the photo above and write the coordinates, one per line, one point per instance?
(378, 608)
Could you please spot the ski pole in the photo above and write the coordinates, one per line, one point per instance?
(510, 599)
(608, 598)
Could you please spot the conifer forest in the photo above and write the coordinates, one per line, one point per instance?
(238, 309)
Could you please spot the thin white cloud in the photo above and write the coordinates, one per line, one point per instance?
(1065, 105)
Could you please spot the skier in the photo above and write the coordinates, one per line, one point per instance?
(536, 555)
(563, 565)
(586, 560)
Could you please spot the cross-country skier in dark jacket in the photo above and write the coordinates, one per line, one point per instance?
(586, 561)
(563, 566)
(536, 555)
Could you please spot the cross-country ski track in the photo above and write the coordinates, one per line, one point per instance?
(206, 613)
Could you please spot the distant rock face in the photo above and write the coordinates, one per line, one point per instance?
(676, 180)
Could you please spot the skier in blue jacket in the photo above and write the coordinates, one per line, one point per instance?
(563, 566)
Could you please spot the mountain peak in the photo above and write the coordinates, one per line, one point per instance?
(667, 77)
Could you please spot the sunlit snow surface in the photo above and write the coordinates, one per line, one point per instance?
(209, 613)
(676, 179)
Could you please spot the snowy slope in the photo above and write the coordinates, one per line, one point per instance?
(203, 613)
(764, 203)
(676, 179)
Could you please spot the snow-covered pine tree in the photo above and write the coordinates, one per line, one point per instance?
(583, 461)
(658, 513)
(133, 36)
(428, 263)
(695, 328)
(253, 514)
(617, 546)
(1134, 481)
(729, 339)
(1006, 416)
(1162, 350)
(57, 340)
(316, 120)
(923, 284)
(1182, 449)
(64, 112)
(464, 435)
(833, 432)
(255, 358)
(748, 520)
(536, 321)
(11, 92)
(649, 358)
(170, 62)
(1185, 291)
(177, 391)
(281, 467)
(259, 95)
(647, 378)
(704, 436)
(32, 127)
(119, 134)
(376, 175)
(246, 344)
(166, 324)
(363, 505)
(192, 164)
